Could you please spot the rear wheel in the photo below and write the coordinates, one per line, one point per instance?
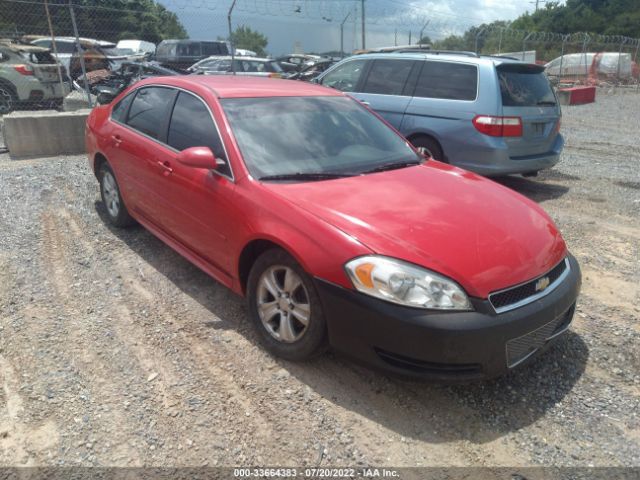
(8, 99)
(428, 146)
(110, 192)
(285, 308)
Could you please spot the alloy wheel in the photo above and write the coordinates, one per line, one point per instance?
(283, 303)
(111, 194)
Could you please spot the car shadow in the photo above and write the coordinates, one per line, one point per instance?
(538, 191)
(477, 412)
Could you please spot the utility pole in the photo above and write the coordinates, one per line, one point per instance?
(363, 27)
(422, 31)
(537, 3)
(409, 37)
(342, 34)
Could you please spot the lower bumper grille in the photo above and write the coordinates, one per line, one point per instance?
(521, 348)
(430, 368)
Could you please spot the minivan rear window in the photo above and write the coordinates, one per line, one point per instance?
(524, 86)
(214, 48)
(447, 80)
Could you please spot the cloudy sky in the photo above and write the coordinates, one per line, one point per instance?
(314, 25)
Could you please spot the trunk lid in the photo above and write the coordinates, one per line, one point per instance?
(527, 93)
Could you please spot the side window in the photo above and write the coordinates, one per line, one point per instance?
(149, 109)
(65, 47)
(451, 81)
(119, 111)
(388, 77)
(346, 76)
(192, 126)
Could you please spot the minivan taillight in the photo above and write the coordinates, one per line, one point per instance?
(23, 69)
(498, 126)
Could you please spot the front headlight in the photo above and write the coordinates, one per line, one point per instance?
(405, 284)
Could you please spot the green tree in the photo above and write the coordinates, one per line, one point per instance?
(111, 20)
(245, 37)
(425, 40)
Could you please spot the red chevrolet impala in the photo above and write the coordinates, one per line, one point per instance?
(334, 229)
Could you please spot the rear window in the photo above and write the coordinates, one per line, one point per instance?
(38, 57)
(450, 81)
(524, 86)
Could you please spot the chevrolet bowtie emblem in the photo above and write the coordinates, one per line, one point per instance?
(542, 283)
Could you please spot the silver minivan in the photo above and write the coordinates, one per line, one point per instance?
(491, 115)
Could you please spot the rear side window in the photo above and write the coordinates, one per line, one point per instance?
(450, 81)
(149, 109)
(119, 112)
(211, 48)
(524, 86)
(38, 57)
(192, 126)
(345, 77)
(64, 47)
(189, 50)
(388, 77)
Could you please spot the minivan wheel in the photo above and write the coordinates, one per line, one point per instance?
(285, 308)
(428, 146)
(111, 198)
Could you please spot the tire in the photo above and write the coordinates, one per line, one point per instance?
(428, 146)
(8, 99)
(114, 205)
(281, 294)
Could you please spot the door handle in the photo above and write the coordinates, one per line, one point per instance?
(117, 140)
(365, 103)
(166, 167)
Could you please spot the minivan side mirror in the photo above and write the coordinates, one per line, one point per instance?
(199, 157)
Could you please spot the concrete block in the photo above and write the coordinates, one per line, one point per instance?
(45, 133)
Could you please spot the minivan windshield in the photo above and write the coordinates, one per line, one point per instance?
(523, 85)
(309, 138)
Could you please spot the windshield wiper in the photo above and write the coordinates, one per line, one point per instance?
(310, 176)
(393, 166)
(546, 102)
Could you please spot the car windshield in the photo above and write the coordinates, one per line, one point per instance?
(281, 136)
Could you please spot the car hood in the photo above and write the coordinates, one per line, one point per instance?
(475, 231)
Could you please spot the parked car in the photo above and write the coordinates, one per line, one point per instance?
(29, 76)
(491, 115)
(107, 87)
(253, 66)
(310, 72)
(137, 48)
(98, 54)
(603, 65)
(296, 61)
(181, 54)
(333, 227)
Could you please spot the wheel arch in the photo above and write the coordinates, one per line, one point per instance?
(250, 253)
(98, 160)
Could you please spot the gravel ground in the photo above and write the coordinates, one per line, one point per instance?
(116, 351)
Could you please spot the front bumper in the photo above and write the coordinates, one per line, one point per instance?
(445, 346)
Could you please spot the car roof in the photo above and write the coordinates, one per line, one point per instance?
(462, 57)
(231, 86)
(238, 57)
(21, 47)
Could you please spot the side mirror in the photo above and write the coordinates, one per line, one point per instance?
(200, 157)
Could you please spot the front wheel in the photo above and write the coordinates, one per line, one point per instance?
(285, 308)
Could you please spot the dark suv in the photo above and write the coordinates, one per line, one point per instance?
(181, 54)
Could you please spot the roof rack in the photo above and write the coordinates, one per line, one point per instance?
(508, 57)
(454, 52)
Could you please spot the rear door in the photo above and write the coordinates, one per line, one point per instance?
(386, 86)
(143, 153)
(526, 93)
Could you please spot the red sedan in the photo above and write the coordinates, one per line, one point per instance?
(332, 226)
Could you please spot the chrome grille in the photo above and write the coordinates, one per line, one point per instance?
(522, 294)
(521, 348)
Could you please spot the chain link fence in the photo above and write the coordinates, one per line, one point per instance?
(60, 53)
